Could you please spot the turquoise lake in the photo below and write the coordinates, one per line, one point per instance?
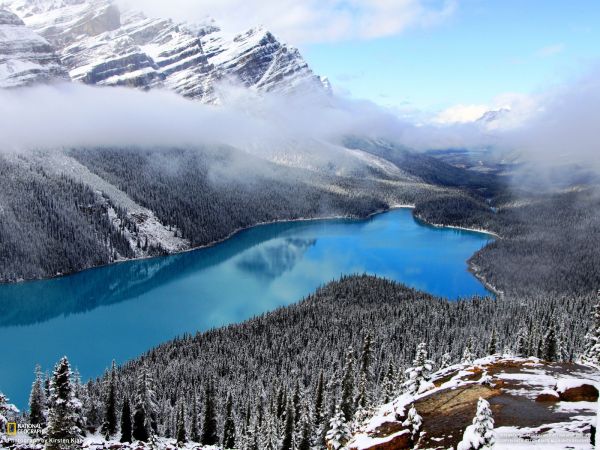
(120, 311)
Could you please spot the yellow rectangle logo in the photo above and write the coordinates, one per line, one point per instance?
(11, 428)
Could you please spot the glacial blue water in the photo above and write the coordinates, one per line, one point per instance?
(120, 311)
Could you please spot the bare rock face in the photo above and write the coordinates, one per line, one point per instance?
(25, 57)
(100, 45)
(583, 393)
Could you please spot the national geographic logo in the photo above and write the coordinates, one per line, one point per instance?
(11, 428)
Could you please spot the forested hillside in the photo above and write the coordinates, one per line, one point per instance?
(345, 346)
(63, 213)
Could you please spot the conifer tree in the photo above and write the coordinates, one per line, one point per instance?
(140, 430)
(419, 374)
(318, 402)
(592, 348)
(62, 432)
(550, 343)
(479, 435)
(209, 425)
(194, 428)
(347, 401)
(229, 434)
(296, 403)
(413, 422)
(109, 427)
(126, 426)
(388, 388)
(7, 411)
(468, 356)
(288, 431)
(446, 361)
(37, 400)
(181, 434)
(269, 438)
(521, 344)
(493, 344)
(366, 357)
(339, 431)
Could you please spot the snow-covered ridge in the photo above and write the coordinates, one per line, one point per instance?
(98, 44)
(25, 57)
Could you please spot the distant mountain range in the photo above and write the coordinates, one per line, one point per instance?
(96, 43)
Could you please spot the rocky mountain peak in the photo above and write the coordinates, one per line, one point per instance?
(101, 45)
(8, 18)
(25, 57)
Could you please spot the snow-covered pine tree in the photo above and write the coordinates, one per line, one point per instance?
(591, 354)
(7, 412)
(140, 427)
(269, 436)
(287, 442)
(413, 422)
(339, 432)
(363, 398)
(419, 374)
(550, 342)
(366, 357)
(62, 432)
(91, 408)
(194, 428)
(479, 435)
(296, 402)
(468, 357)
(318, 404)
(388, 386)
(126, 426)
(109, 426)
(521, 342)
(303, 432)
(38, 412)
(493, 344)
(347, 401)
(181, 433)
(209, 425)
(146, 390)
(446, 361)
(229, 435)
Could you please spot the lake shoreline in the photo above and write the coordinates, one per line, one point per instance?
(260, 224)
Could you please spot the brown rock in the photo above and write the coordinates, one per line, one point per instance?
(583, 393)
(547, 397)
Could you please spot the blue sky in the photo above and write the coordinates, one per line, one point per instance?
(482, 50)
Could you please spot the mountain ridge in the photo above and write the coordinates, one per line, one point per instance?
(99, 44)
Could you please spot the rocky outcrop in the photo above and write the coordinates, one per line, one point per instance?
(101, 45)
(25, 57)
(528, 399)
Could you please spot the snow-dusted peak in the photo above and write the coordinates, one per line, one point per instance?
(25, 57)
(8, 18)
(99, 44)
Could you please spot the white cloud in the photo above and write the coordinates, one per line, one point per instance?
(461, 114)
(308, 21)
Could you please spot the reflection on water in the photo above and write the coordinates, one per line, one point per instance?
(122, 310)
(275, 258)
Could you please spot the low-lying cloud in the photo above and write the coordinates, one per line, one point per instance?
(562, 128)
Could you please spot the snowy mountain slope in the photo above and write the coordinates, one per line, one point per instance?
(98, 44)
(25, 57)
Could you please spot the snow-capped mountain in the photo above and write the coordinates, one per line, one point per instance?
(99, 44)
(25, 57)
